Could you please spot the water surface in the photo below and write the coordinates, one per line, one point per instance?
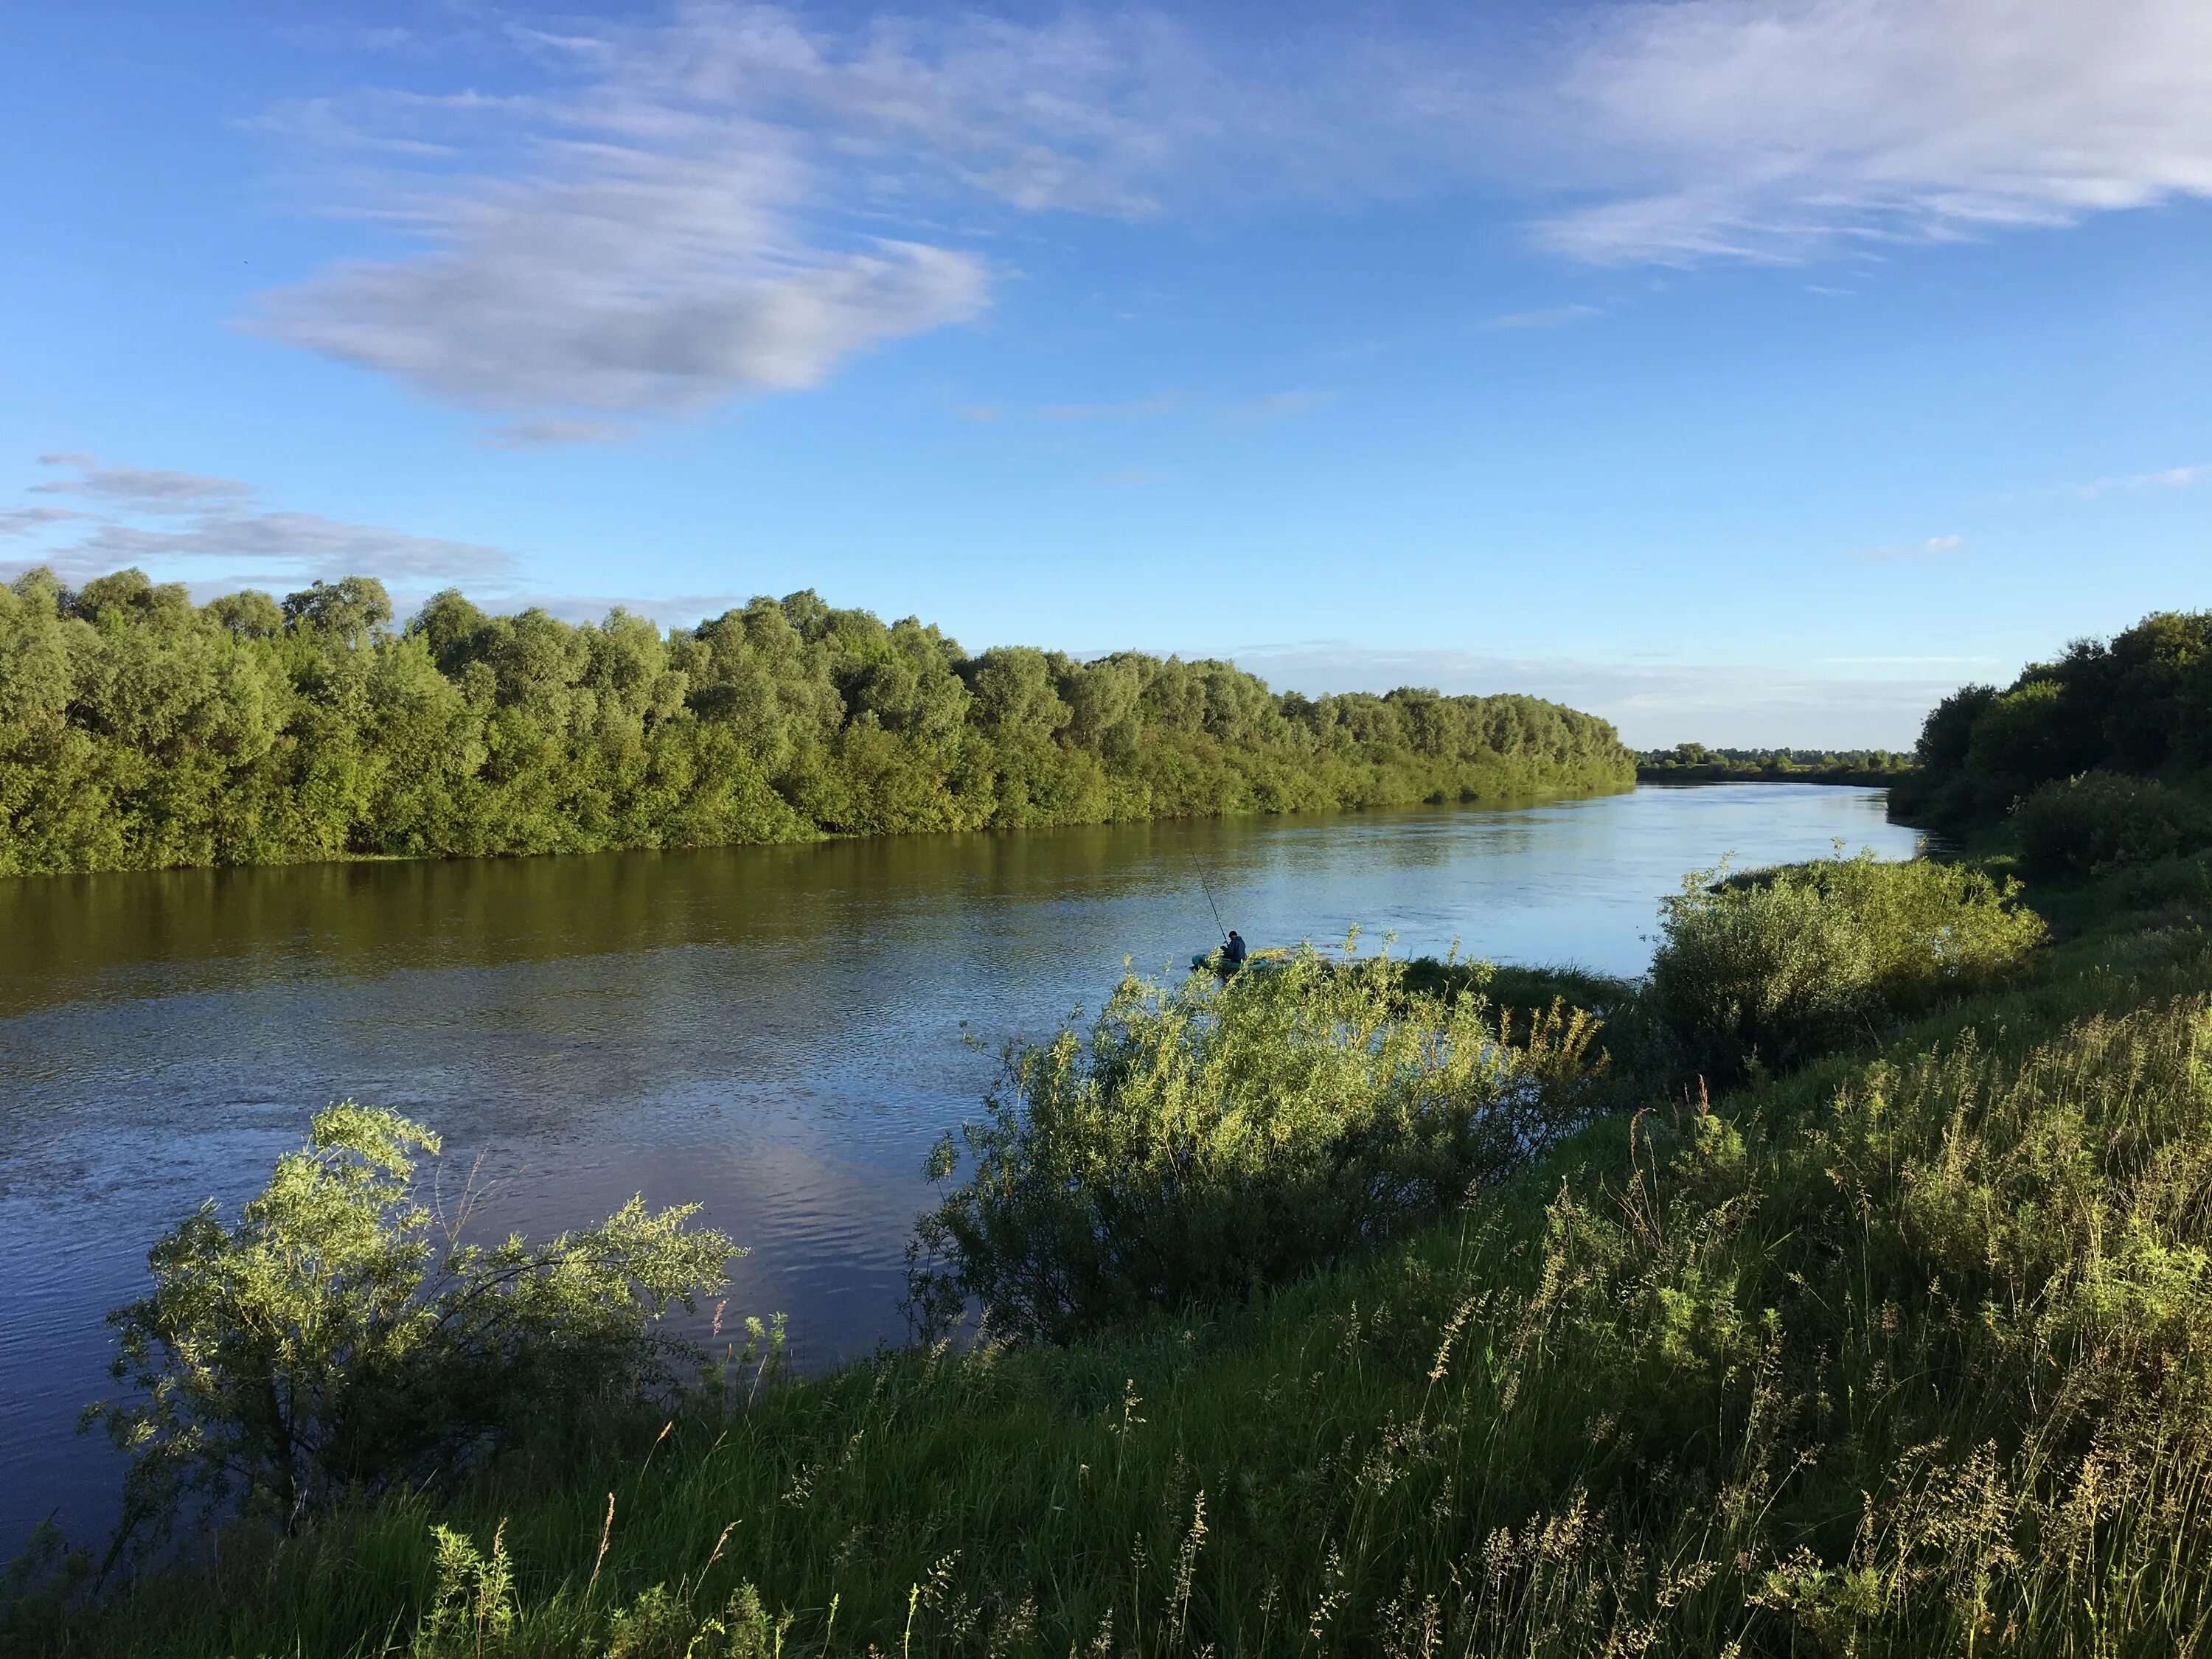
(775, 1032)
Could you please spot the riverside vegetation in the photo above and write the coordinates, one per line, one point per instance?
(2100, 762)
(1843, 1287)
(1692, 762)
(138, 730)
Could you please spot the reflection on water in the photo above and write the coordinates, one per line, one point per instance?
(777, 1032)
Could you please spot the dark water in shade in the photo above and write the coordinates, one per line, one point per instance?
(775, 1032)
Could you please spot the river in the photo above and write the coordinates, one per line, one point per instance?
(778, 1033)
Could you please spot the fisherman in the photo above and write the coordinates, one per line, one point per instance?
(1233, 952)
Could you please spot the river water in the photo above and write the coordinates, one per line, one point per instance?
(775, 1032)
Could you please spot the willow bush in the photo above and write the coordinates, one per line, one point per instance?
(340, 1337)
(138, 730)
(1203, 1140)
(1771, 968)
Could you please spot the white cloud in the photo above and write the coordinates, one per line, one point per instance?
(2173, 477)
(739, 199)
(1934, 548)
(211, 529)
(1137, 408)
(554, 434)
(141, 490)
(305, 545)
(1550, 317)
(1770, 129)
(702, 218)
(25, 520)
(1276, 406)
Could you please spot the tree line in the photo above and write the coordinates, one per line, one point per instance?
(2100, 759)
(1693, 762)
(139, 730)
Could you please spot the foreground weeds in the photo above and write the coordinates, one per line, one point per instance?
(1905, 1355)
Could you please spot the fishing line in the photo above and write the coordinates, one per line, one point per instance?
(1199, 870)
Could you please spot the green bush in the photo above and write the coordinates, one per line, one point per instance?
(2084, 825)
(340, 1338)
(1201, 1142)
(1768, 969)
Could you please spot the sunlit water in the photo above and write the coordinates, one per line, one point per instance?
(774, 1032)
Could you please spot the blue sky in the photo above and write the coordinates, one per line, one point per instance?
(1745, 372)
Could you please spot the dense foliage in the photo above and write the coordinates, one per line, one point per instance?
(1201, 1142)
(2098, 821)
(1692, 762)
(2138, 705)
(341, 1337)
(1771, 968)
(138, 730)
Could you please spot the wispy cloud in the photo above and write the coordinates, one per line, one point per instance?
(1759, 130)
(1915, 662)
(1935, 547)
(687, 222)
(1550, 317)
(983, 414)
(740, 199)
(141, 490)
(25, 520)
(1137, 408)
(554, 434)
(2173, 477)
(1275, 405)
(189, 524)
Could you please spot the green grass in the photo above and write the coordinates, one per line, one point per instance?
(1908, 1352)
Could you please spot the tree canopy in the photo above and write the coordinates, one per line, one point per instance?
(139, 730)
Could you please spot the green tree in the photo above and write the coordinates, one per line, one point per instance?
(341, 1336)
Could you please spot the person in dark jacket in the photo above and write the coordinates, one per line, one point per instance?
(1233, 952)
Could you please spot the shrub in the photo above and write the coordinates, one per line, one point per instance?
(1202, 1141)
(1772, 969)
(338, 1337)
(2082, 825)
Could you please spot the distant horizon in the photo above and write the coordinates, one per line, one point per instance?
(1745, 374)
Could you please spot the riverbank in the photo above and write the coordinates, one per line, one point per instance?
(1766, 1369)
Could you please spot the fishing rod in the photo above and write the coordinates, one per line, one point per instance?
(1199, 870)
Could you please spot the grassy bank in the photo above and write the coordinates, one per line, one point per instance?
(1905, 1353)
